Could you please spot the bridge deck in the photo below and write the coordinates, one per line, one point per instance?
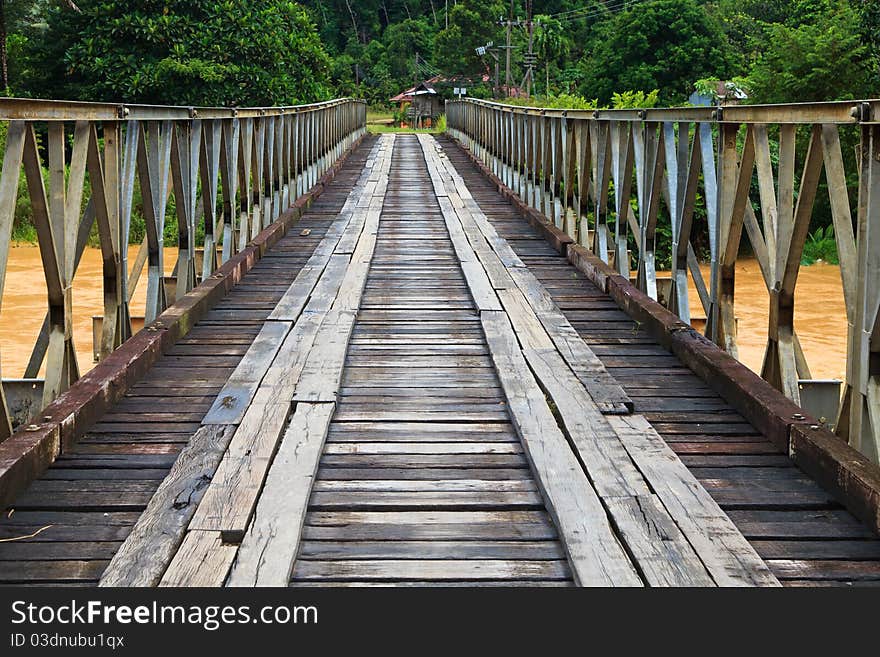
(415, 449)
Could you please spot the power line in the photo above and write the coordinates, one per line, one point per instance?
(580, 10)
(592, 12)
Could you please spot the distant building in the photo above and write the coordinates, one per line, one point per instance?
(425, 104)
(725, 93)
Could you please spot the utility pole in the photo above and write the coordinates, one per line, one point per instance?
(507, 66)
(530, 59)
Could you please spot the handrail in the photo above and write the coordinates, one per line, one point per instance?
(608, 178)
(232, 171)
(69, 110)
(839, 111)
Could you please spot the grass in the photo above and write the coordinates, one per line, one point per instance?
(379, 128)
(379, 116)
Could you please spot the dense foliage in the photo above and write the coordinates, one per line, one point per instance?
(781, 50)
(200, 52)
(280, 51)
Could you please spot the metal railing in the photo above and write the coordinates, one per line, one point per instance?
(230, 172)
(604, 175)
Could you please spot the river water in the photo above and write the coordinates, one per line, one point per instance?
(24, 304)
(820, 316)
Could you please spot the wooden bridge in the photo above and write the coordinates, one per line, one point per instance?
(411, 377)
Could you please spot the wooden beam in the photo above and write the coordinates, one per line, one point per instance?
(595, 553)
(156, 537)
(271, 543)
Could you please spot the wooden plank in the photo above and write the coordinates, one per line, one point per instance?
(154, 539)
(401, 485)
(327, 550)
(727, 555)
(480, 287)
(423, 448)
(500, 530)
(232, 402)
(427, 500)
(663, 554)
(230, 500)
(228, 503)
(343, 231)
(322, 373)
(329, 519)
(270, 545)
(202, 560)
(596, 555)
(607, 393)
(297, 295)
(430, 569)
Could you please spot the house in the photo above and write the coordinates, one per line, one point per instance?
(425, 104)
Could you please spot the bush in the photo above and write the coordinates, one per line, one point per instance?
(820, 246)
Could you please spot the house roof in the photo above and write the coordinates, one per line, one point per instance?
(420, 89)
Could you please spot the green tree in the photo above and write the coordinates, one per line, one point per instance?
(402, 42)
(869, 23)
(824, 59)
(198, 52)
(660, 44)
(550, 44)
(472, 23)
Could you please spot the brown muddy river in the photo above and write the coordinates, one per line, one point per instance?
(24, 304)
(820, 317)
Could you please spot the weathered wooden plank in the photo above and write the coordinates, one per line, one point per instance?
(415, 485)
(396, 531)
(228, 503)
(295, 298)
(664, 556)
(505, 583)
(423, 448)
(727, 555)
(270, 544)
(480, 287)
(426, 500)
(153, 541)
(465, 549)
(322, 372)
(202, 560)
(429, 569)
(596, 555)
(232, 402)
(606, 392)
(653, 537)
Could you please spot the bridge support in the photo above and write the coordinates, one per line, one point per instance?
(860, 412)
